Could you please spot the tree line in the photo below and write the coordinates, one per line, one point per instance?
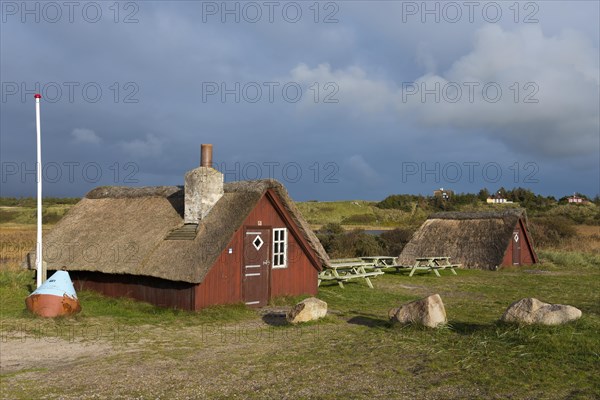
(524, 197)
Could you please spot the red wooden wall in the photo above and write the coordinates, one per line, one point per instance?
(223, 283)
(528, 255)
(159, 292)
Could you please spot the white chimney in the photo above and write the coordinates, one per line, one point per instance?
(203, 188)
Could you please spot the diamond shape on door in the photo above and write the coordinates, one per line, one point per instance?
(258, 242)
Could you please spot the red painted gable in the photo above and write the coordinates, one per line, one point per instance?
(223, 283)
(527, 254)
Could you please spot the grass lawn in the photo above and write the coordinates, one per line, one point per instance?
(119, 348)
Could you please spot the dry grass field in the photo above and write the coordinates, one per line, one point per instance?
(586, 240)
(16, 240)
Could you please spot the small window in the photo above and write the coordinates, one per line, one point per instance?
(280, 248)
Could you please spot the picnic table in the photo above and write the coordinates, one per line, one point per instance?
(433, 264)
(381, 261)
(342, 270)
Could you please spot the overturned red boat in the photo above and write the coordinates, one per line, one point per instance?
(55, 297)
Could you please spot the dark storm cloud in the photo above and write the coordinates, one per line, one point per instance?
(351, 134)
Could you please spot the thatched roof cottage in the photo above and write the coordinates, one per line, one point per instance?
(189, 247)
(482, 240)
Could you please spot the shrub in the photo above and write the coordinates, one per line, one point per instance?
(51, 217)
(360, 219)
(341, 244)
(395, 240)
(551, 231)
(579, 213)
(7, 215)
(328, 233)
(331, 228)
(355, 244)
(402, 202)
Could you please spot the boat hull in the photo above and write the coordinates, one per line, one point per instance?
(48, 305)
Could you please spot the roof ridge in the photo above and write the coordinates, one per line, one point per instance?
(124, 192)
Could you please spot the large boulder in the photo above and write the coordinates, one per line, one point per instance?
(428, 312)
(307, 310)
(532, 311)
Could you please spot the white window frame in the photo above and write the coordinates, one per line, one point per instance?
(280, 253)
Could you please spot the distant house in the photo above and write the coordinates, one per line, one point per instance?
(188, 247)
(576, 199)
(444, 194)
(480, 240)
(497, 198)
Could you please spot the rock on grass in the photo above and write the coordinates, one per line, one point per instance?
(307, 310)
(533, 311)
(429, 312)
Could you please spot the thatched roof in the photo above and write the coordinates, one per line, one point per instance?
(474, 239)
(121, 230)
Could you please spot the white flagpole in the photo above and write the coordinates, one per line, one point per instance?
(39, 258)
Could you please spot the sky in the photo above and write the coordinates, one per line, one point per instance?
(335, 99)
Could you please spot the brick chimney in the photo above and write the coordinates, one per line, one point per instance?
(203, 188)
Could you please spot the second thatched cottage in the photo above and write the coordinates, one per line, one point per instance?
(481, 240)
(204, 244)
